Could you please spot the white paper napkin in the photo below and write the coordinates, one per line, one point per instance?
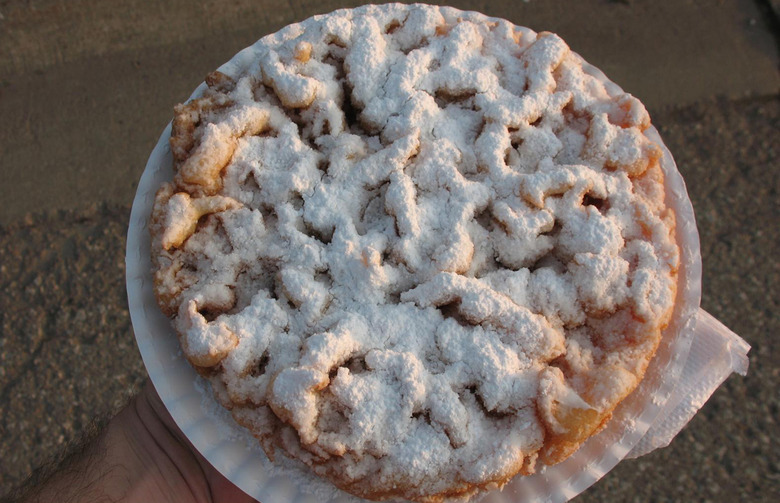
(715, 353)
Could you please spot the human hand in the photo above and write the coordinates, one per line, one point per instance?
(203, 480)
(140, 457)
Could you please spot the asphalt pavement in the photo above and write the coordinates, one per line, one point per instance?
(86, 87)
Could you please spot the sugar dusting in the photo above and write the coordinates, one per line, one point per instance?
(384, 290)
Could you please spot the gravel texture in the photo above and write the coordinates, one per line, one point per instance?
(67, 352)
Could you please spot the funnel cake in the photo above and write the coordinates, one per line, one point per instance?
(418, 249)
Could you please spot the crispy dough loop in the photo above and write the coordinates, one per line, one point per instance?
(193, 327)
(201, 172)
(220, 82)
(293, 89)
(180, 213)
(187, 117)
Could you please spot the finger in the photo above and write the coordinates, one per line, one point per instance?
(222, 489)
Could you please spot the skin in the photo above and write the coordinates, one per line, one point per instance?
(141, 456)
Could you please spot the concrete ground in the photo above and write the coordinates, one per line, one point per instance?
(86, 86)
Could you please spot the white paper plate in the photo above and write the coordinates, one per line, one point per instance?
(236, 454)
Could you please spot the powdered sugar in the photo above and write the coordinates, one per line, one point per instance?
(399, 274)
